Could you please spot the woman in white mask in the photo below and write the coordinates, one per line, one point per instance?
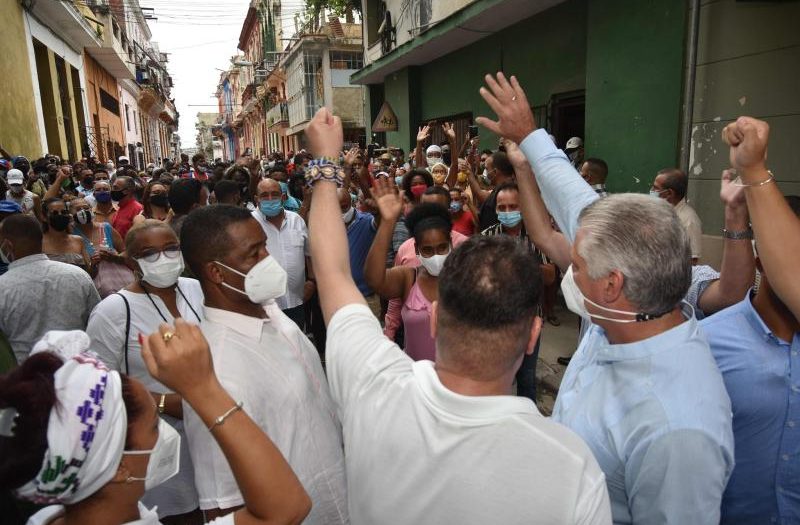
(158, 295)
(87, 441)
(430, 225)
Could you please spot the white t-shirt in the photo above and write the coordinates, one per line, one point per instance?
(417, 452)
(106, 329)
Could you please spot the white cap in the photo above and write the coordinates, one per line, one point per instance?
(123, 158)
(15, 176)
(433, 148)
(574, 143)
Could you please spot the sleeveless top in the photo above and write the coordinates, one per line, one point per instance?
(68, 258)
(416, 314)
(25, 200)
(106, 238)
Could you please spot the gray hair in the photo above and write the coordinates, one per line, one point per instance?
(642, 238)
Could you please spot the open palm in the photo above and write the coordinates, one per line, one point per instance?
(388, 199)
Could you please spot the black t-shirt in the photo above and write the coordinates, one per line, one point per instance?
(487, 214)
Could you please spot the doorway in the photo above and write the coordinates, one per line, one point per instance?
(567, 116)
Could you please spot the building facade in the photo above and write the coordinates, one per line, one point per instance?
(619, 74)
(79, 94)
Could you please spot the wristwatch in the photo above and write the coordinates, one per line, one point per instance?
(162, 404)
(737, 236)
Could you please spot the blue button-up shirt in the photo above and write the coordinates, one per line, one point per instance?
(762, 374)
(657, 418)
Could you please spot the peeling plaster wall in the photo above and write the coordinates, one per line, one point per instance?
(747, 64)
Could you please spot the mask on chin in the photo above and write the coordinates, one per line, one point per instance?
(576, 303)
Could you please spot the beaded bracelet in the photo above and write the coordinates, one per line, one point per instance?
(326, 171)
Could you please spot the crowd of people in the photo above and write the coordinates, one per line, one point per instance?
(350, 335)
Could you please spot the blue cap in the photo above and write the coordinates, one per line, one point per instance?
(10, 207)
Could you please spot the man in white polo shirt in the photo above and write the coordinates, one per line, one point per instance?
(287, 241)
(444, 442)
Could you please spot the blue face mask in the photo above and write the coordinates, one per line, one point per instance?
(509, 219)
(102, 196)
(398, 180)
(455, 207)
(271, 208)
(284, 187)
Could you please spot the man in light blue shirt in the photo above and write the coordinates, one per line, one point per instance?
(642, 390)
(756, 344)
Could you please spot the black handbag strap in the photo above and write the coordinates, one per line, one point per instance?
(127, 329)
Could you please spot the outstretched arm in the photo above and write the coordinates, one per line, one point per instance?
(534, 214)
(775, 226)
(389, 283)
(452, 173)
(329, 248)
(564, 191)
(738, 263)
(419, 151)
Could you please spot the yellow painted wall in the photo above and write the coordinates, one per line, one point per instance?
(19, 128)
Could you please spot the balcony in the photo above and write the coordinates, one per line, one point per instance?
(109, 52)
(278, 117)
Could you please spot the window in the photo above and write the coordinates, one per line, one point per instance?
(135, 122)
(347, 60)
(127, 118)
(108, 102)
(312, 83)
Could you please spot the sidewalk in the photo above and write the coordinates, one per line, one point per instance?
(557, 341)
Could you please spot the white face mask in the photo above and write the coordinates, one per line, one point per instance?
(433, 264)
(433, 160)
(165, 457)
(264, 282)
(576, 302)
(164, 272)
(486, 176)
(348, 215)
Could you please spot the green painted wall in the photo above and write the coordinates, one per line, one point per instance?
(552, 60)
(634, 74)
(19, 131)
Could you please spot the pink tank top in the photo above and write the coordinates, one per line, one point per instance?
(416, 314)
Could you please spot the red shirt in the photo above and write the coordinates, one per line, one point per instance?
(464, 224)
(123, 220)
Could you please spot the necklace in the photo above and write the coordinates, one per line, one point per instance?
(159, 310)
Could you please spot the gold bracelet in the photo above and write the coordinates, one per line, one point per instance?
(738, 181)
(221, 419)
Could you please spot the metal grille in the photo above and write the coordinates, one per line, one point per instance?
(96, 139)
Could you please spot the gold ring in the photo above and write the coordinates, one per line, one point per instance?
(167, 336)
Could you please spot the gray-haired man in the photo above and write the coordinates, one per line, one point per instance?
(643, 389)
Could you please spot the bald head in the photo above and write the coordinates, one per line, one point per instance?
(269, 189)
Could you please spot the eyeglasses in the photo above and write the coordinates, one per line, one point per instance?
(170, 252)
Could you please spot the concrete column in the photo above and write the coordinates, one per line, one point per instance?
(74, 107)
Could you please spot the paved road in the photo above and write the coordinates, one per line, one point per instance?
(557, 341)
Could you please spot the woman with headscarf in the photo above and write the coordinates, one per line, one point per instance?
(157, 295)
(87, 441)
